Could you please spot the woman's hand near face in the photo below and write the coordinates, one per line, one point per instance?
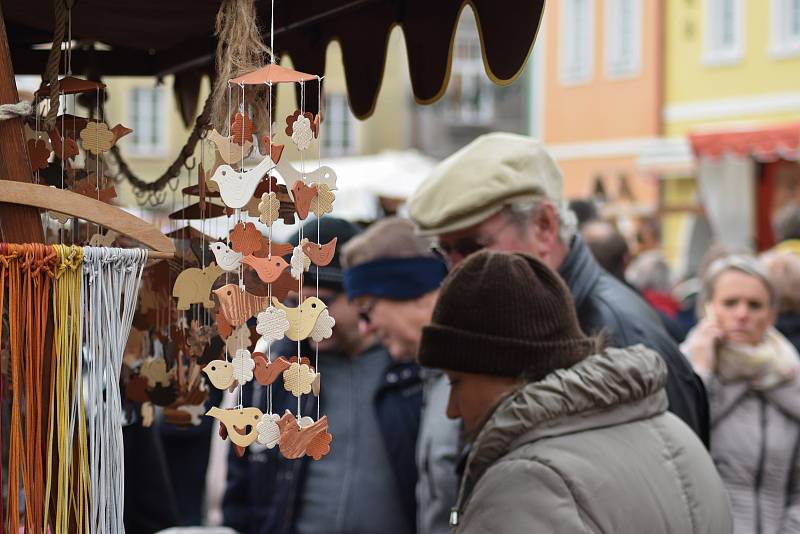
(703, 343)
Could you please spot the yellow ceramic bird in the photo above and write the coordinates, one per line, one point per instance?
(239, 422)
(301, 319)
(220, 373)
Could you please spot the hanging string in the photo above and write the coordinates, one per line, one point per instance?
(319, 164)
(111, 279)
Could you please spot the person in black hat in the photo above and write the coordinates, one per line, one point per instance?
(373, 403)
(566, 436)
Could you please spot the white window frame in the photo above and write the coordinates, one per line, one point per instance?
(782, 45)
(615, 67)
(149, 151)
(714, 54)
(567, 71)
(342, 146)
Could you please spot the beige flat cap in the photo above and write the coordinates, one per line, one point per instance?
(477, 181)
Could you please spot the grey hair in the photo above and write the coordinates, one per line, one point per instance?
(523, 210)
(649, 270)
(735, 262)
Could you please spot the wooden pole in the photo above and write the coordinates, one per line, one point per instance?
(18, 224)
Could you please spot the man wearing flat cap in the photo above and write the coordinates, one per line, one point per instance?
(505, 192)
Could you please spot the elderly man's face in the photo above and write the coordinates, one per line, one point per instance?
(506, 232)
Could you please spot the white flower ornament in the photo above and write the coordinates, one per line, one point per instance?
(301, 133)
(269, 433)
(243, 366)
(323, 328)
(272, 324)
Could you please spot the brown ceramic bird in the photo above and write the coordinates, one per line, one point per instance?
(303, 195)
(296, 439)
(266, 373)
(321, 255)
(268, 270)
(239, 305)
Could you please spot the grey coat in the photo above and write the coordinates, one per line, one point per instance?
(755, 440)
(591, 449)
(437, 455)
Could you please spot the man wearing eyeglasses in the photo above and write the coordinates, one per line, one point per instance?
(505, 192)
(366, 483)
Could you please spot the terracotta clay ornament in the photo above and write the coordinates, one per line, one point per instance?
(239, 339)
(97, 138)
(321, 255)
(321, 175)
(245, 238)
(241, 129)
(291, 121)
(228, 152)
(240, 423)
(220, 373)
(194, 286)
(277, 249)
(63, 147)
(265, 372)
(275, 150)
(268, 270)
(237, 305)
(224, 328)
(303, 195)
(227, 259)
(301, 319)
(38, 153)
(88, 188)
(297, 441)
(237, 187)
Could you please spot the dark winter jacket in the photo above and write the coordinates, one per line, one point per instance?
(591, 450)
(264, 490)
(788, 324)
(604, 304)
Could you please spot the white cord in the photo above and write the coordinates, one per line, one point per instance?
(111, 280)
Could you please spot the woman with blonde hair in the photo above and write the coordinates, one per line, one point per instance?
(750, 371)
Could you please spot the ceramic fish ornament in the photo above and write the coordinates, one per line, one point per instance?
(194, 286)
(237, 187)
(301, 319)
(227, 259)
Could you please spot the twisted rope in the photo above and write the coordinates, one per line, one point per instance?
(12, 111)
(54, 60)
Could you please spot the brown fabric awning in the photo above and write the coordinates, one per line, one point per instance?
(158, 37)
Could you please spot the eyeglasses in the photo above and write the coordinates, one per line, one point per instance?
(466, 245)
(366, 310)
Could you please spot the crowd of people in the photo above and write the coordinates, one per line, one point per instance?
(502, 363)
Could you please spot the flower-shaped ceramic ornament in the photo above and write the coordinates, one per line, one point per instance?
(297, 379)
(323, 328)
(268, 208)
(323, 202)
(300, 262)
(243, 366)
(269, 434)
(272, 324)
(302, 133)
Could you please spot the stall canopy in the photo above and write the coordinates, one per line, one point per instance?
(158, 37)
(764, 143)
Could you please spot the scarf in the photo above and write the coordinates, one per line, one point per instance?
(766, 365)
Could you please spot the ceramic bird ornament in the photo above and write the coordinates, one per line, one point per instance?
(268, 372)
(241, 423)
(267, 269)
(227, 259)
(238, 187)
(220, 373)
(301, 319)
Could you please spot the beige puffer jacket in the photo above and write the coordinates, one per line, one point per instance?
(591, 449)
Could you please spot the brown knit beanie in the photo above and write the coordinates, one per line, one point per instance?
(505, 315)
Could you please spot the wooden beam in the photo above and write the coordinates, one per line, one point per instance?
(18, 224)
(89, 209)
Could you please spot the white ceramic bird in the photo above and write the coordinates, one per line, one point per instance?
(322, 175)
(227, 259)
(238, 187)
